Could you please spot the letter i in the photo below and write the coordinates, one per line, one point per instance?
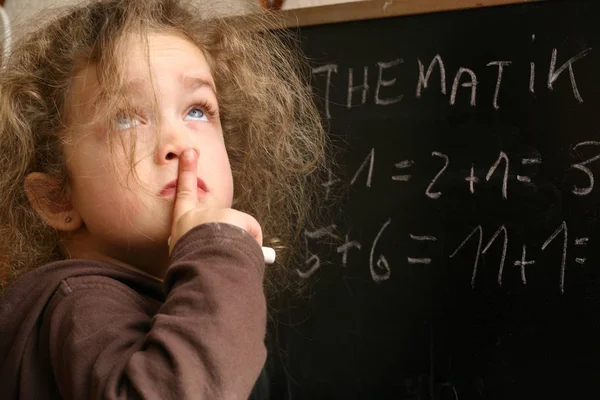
(532, 71)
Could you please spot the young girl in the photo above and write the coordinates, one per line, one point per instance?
(146, 148)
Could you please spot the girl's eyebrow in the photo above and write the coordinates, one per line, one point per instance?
(193, 82)
(190, 82)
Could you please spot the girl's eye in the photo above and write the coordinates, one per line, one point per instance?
(126, 122)
(196, 114)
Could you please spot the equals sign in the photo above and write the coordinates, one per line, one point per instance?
(403, 165)
(425, 261)
(582, 242)
(528, 161)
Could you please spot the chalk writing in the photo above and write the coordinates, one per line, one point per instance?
(501, 158)
(465, 77)
(364, 87)
(386, 83)
(346, 247)
(502, 166)
(381, 270)
(479, 230)
(428, 192)
(403, 165)
(472, 83)
(582, 166)
(501, 65)
(500, 172)
(472, 179)
(532, 71)
(331, 181)
(314, 261)
(554, 73)
(370, 160)
(522, 263)
(424, 260)
(563, 264)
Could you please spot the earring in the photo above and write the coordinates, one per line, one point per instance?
(68, 219)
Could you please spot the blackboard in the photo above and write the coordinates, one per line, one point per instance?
(468, 267)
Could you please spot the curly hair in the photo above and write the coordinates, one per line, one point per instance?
(277, 147)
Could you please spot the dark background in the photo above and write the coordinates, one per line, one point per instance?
(436, 331)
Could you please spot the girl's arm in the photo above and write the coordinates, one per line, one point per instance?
(206, 341)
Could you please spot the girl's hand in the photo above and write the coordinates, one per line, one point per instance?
(186, 215)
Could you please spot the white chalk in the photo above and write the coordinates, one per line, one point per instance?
(269, 255)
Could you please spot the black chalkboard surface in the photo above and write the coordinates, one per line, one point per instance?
(470, 254)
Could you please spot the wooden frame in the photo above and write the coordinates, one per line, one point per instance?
(372, 9)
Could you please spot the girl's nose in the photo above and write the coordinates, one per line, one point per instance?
(172, 142)
(170, 156)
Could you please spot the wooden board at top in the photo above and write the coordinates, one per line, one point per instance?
(363, 10)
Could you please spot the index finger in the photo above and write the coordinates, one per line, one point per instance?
(187, 184)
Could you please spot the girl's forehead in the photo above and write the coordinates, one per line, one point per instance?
(141, 63)
(162, 50)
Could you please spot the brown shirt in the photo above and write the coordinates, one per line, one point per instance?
(81, 329)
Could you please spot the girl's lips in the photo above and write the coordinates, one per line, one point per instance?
(171, 188)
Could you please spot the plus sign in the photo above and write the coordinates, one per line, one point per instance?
(523, 263)
(345, 248)
(472, 179)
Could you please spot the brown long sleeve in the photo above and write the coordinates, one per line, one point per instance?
(206, 341)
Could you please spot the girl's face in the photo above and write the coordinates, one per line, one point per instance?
(123, 218)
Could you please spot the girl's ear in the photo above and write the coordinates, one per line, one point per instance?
(45, 196)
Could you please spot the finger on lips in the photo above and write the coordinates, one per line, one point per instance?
(187, 182)
(186, 200)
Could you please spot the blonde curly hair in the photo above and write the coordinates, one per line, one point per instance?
(277, 147)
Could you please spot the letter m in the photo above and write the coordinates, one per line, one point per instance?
(424, 77)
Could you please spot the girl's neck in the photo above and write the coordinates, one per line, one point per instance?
(81, 246)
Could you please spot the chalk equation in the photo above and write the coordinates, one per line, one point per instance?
(440, 173)
(381, 270)
(500, 169)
